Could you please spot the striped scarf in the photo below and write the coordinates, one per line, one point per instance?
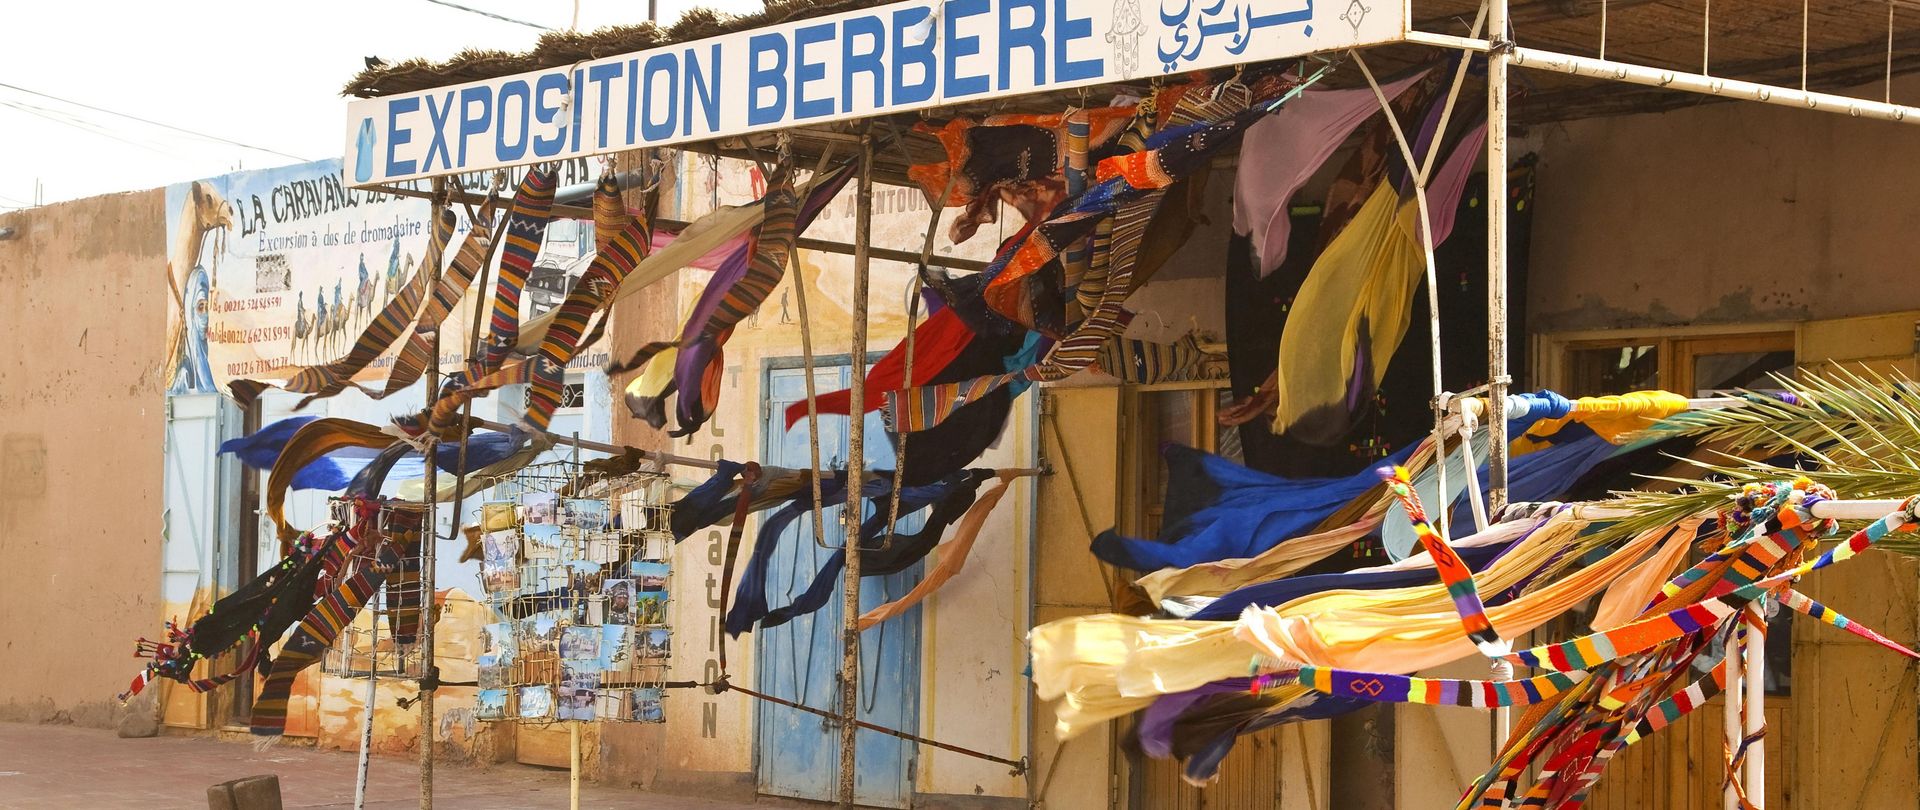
(1479, 694)
(1454, 573)
(545, 372)
(1143, 362)
(378, 336)
(316, 632)
(312, 441)
(418, 353)
(526, 230)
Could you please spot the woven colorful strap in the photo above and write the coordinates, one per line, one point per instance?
(526, 231)
(1144, 362)
(380, 334)
(1484, 694)
(1454, 573)
(317, 631)
(545, 373)
(1799, 601)
(418, 352)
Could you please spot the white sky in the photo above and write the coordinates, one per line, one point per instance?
(260, 72)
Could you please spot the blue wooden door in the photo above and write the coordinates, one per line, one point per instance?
(797, 753)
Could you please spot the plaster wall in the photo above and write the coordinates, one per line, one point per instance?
(1722, 214)
(83, 289)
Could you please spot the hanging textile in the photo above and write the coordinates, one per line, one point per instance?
(646, 395)
(1478, 550)
(454, 280)
(951, 560)
(1219, 510)
(1282, 152)
(1130, 188)
(544, 372)
(1109, 665)
(321, 627)
(263, 608)
(1283, 560)
(1143, 362)
(1016, 159)
(750, 607)
(729, 299)
(936, 342)
(526, 232)
(1364, 170)
(1479, 694)
(1356, 305)
(1614, 418)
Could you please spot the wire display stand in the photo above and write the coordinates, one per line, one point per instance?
(382, 641)
(576, 566)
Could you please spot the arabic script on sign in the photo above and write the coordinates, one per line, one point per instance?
(1190, 24)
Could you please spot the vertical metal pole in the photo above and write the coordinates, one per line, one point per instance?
(366, 720)
(856, 477)
(1734, 716)
(1755, 771)
(573, 765)
(429, 537)
(1497, 58)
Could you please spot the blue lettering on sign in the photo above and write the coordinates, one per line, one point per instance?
(1066, 30)
(656, 64)
(905, 55)
(705, 88)
(471, 124)
(545, 113)
(512, 90)
(633, 98)
(397, 135)
(805, 71)
(604, 75)
(873, 62)
(1031, 36)
(766, 78)
(959, 46)
(437, 116)
(573, 99)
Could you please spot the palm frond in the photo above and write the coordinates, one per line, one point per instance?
(1855, 431)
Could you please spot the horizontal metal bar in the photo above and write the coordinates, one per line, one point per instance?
(804, 242)
(612, 449)
(1697, 83)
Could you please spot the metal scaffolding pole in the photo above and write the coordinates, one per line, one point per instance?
(856, 467)
(1497, 57)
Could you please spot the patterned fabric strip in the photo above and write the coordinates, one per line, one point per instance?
(1144, 362)
(545, 373)
(1129, 200)
(466, 264)
(316, 632)
(1454, 573)
(313, 440)
(526, 231)
(1484, 694)
(1587, 651)
(1800, 602)
(379, 335)
(1680, 704)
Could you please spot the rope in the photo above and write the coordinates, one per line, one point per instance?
(1419, 171)
(743, 505)
(1019, 766)
(813, 405)
(913, 323)
(1706, 38)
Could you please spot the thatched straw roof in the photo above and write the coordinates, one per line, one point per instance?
(557, 48)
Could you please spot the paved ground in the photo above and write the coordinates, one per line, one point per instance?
(62, 767)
